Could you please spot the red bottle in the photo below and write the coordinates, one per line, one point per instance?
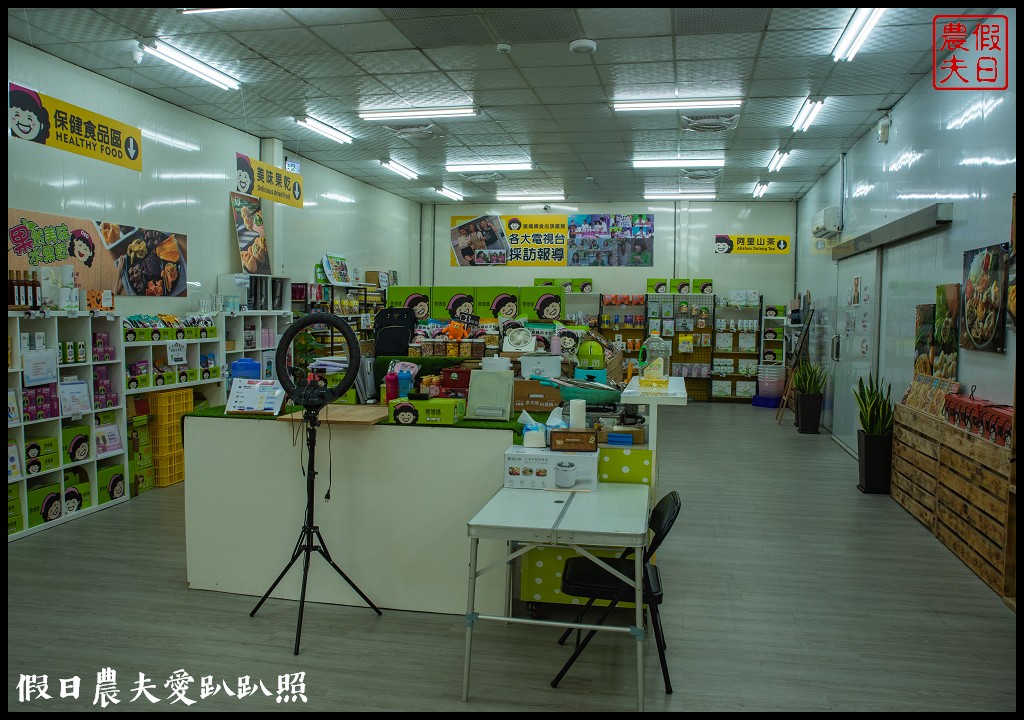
(391, 386)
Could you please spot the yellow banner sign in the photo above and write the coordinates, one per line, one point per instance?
(255, 177)
(536, 240)
(45, 120)
(752, 244)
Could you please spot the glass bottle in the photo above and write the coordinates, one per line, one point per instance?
(655, 362)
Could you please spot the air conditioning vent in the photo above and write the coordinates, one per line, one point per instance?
(422, 132)
(709, 123)
(481, 178)
(705, 174)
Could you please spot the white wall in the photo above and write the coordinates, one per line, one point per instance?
(944, 146)
(684, 234)
(188, 172)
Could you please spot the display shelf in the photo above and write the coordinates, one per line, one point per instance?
(738, 320)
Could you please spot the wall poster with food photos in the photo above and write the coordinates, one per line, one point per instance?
(247, 217)
(125, 259)
(983, 305)
(924, 339)
(947, 331)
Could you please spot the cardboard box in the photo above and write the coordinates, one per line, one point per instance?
(543, 304)
(537, 468)
(582, 285)
(702, 286)
(415, 296)
(679, 285)
(110, 483)
(13, 491)
(497, 301)
(36, 446)
(531, 396)
(134, 382)
(77, 491)
(657, 285)
(565, 440)
(42, 463)
(141, 479)
(634, 435)
(75, 444)
(44, 503)
(167, 378)
(14, 508)
(997, 424)
(447, 302)
(436, 411)
(15, 524)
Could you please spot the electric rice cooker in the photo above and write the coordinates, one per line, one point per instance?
(543, 364)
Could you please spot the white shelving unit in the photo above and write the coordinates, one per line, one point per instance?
(254, 331)
(203, 367)
(773, 338)
(41, 485)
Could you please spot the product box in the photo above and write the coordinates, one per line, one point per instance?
(704, 286)
(542, 304)
(746, 388)
(582, 285)
(436, 411)
(543, 282)
(447, 302)
(573, 440)
(167, 378)
(13, 491)
(531, 396)
(110, 483)
(679, 285)
(455, 382)
(74, 442)
(965, 412)
(775, 311)
(627, 436)
(134, 382)
(497, 301)
(77, 490)
(36, 446)
(141, 479)
(657, 285)
(997, 424)
(564, 283)
(15, 523)
(544, 469)
(44, 502)
(415, 296)
(208, 373)
(42, 463)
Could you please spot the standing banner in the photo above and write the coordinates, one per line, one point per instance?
(254, 177)
(46, 120)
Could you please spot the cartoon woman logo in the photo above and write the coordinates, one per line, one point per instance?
(420, 305)
(515, 224)
(723, 244)
(548, 307)
(78, 448)
(461, 303)
(505, 306)
(26, 116)
(245, 174)
(81, 247)
(406, 414)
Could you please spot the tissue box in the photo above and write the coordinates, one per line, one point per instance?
(573, 440)
(535, 468)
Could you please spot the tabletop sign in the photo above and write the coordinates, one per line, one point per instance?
(176, 353)
(366, 321)
(255, 397)
(469, 320)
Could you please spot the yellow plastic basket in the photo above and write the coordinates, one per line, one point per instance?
(168, 469)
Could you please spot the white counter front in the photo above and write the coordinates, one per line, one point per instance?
(675, 394)
(396, 521)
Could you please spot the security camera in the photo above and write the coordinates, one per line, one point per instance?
(547, 208)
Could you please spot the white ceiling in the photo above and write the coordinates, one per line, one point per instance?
(540, 102)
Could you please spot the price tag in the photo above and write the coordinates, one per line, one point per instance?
(72, 313)
(366, 321)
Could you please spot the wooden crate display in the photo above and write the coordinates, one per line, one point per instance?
(915, 463)
(958, 485)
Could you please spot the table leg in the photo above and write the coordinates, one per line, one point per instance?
(638, 568)
(470, 616)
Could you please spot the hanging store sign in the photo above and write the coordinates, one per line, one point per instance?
(254, 177)
(46, 120)
(752, 244)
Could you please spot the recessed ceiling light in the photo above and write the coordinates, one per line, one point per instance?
(528, 198)
(489, 167)
(680, 163)
(189, 64)
(400, 169)
(464, 111)
(709, 104)
(679, 196)
(323, 129)
(448, 193)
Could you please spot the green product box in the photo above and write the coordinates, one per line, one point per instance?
(14, 508)
(208, 373)
(172, 333)
(110, 483)
(416, 297)
(703, 286)
(42, 464)
(77, 491)
(191, 333)
(542, 304)
(582, 285)
(436, 411)
(679, 285)
(657, 285)
(107, 417)
(497, 301)
(133, 382)
(350, 397)
(447, 302)
(44, 503)
(75, 443)
(207, 332)
(13, 491)
(167, 378)
(565, 284)
(139, 435)
(136, 334)
(543, 282)
(778, 311)
(143, 457)
(141, 479)
(187, 375)
(15, 524)
(41, 445)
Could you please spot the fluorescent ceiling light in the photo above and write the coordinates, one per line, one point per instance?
(189, 64)
(323, 129)
(197, 11)
(676, 104)
(856, 32)
(760, 189)
(448, 193)
(807, 113)
(400, 169)
(489, 167)
(680, 163)
(529, 198)
(679, 196)
(463, 111)
(778, 160)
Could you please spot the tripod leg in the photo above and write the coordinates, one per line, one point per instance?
(302, 595)
(322, 549)
(295, 556)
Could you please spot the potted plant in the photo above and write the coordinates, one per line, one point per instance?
(809, 381)
(874, 439)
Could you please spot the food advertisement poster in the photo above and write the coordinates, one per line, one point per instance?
(983, 307)
(247, 215)
(336, 269)
(947, 330)
(105, 255)
(924, 340)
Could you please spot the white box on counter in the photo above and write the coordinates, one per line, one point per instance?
(544, 469)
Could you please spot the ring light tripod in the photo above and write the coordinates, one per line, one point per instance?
(312, 392)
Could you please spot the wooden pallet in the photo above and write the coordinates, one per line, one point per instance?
(915, 463)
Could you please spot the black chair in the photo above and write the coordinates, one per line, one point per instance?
(582, 577)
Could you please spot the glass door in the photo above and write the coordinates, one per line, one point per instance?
(855, 343)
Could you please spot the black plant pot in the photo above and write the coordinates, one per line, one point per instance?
(796, 408)
(808, 412)
(875, 462)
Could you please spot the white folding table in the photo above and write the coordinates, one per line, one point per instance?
(614, 516)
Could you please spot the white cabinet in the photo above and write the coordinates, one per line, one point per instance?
(63, 463)
(253, 334)
(773, 336)
(147, 351)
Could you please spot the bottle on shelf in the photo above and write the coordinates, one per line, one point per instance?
(655, 362)
(391, 386)
(37, 292)
(12, 293)
(404, 383)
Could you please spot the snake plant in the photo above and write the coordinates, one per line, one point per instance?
(876, 408)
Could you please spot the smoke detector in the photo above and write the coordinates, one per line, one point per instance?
(582, 47)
